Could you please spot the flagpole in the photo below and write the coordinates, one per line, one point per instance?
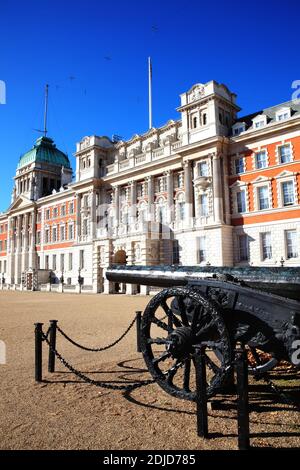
(46, 110)
(150, 91)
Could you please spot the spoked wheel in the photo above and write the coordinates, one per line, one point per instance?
(174, 325)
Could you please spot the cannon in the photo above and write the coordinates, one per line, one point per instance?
(214, 308)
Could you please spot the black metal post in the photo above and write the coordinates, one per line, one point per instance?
(38, 351)
(201, 397)
(241, 364)
(52, 341)
(138, 330)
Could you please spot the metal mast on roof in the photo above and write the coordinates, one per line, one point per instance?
(46, 110)
(150, 91)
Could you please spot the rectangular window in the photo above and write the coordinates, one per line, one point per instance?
(85, 227)
(47, 262)
(285, 154)
(259, 124)
(70, 261)
(71, 208)
(139, 190)
(204, 211)
(261, 159)
(55, 212)
(202, 169)
(243, 248)
(54, 262)
(71, 231)
(47, 235)
(263, 198)
(63, 211)
(1, 245)
(81, 259)
(62, 262)
(38, 238)
(288, 193)
(202, 250)
(4, 266)
(54, 234)
(47, 215)
(239, 165)
(241, 201)
(62, 232)
(86, 199)
(291, 241)
(181, 210)
(266, 245)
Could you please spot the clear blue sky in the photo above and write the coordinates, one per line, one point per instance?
(94, 55)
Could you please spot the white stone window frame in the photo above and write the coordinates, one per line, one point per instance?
(178, 180)
(235, 188)
(281, 112)
(142, 207)
(47, 228)
(125, 209)
(259, 118)
(198, 193)
(160, 202)
(291, 229)
(258, 183)
(52, 237)
(241, 126)
(62, 224)
(197, 164)
(71, 224)
(260, 149)
(277, 152)
(179, 198)
(262, 231)
(285, 177)
(236, 157)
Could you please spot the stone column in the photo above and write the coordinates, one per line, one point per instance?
(78, 216)
(217, 188)
(93, 215)
(170, 191)
(18, 249)
(133, 201)
(117, 208)
(32, 252)
(189, 211)
(150, 184)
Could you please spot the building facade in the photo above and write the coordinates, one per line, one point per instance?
(208, 189)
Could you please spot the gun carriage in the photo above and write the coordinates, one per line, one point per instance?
(213, 308)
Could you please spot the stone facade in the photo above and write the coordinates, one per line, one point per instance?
(209, 188)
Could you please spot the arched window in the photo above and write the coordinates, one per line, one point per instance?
(195, 122)
(204, 119)
(125, 216)
(180, 207)
(142, 213)
(161, 212)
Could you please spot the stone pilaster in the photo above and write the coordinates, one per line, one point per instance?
(189, 210)
(217, 188)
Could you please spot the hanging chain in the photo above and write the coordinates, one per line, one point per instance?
(85, 348)
(98, 383)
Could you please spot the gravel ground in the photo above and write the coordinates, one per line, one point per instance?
(64, 413)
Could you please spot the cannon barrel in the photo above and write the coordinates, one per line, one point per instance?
(283, 281)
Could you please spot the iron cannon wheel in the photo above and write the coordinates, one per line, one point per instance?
(175, 322)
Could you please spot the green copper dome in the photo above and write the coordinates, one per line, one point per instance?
(45, 151)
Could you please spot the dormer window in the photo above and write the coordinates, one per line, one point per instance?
(283, 113)
(237, 128)
(259, 121)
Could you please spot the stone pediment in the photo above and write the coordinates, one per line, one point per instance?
(20, 203)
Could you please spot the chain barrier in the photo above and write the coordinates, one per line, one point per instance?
(85, 348)
(87, 379)
(283, 397)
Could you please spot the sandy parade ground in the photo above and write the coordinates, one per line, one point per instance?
(65, 413)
